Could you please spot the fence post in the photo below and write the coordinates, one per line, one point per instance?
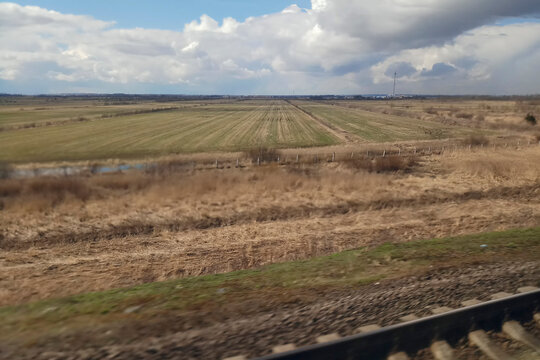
(352, 155)
(237, 162)
(216, 164)
(297, 158)
(258, 161)
(333, 156)
(384, 153)
(399, 152)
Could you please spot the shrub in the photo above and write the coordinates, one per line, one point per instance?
(263, 153)
(393, 163)
(390, 163)
(476, 140)
(5, 170)
(10, 188)
(530, 119)
(58, 188)
(360, 164)
(464, 115)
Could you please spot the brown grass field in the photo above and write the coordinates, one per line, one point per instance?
(63, 236)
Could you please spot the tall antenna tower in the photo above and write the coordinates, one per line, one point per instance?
(394, 91)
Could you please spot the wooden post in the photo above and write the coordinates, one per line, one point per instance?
(216, 164)
(352, 155)
(384, 153)
(237, 162)
(258, 161)
(278, 159)
(297, 158)
(415, 150)
(333, 156)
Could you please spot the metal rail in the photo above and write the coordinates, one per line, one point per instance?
(419, 334)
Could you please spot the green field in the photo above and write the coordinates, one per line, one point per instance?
(215, 127)
(379, 127)
(38, 130)
(32, 112)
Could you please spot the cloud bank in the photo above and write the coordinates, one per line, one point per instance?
(337, 46)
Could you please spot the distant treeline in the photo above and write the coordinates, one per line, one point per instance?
(129, 99)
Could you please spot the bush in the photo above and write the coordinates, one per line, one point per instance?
(431, 111)
(393, 164)
(5, 170)
(476, 140)
(263, 154)
(530, 119)
(10, 187)
(464, 115)
(58, 188)
(390, 163)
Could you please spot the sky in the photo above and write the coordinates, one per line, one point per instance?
(274, 47)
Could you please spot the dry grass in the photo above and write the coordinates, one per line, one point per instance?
(508, 166)
(116, 230)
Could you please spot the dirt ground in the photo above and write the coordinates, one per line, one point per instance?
(121, 230)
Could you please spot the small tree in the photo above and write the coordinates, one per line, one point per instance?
(530, 119)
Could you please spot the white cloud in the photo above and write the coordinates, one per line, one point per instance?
(337, 46)
(485, 53)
